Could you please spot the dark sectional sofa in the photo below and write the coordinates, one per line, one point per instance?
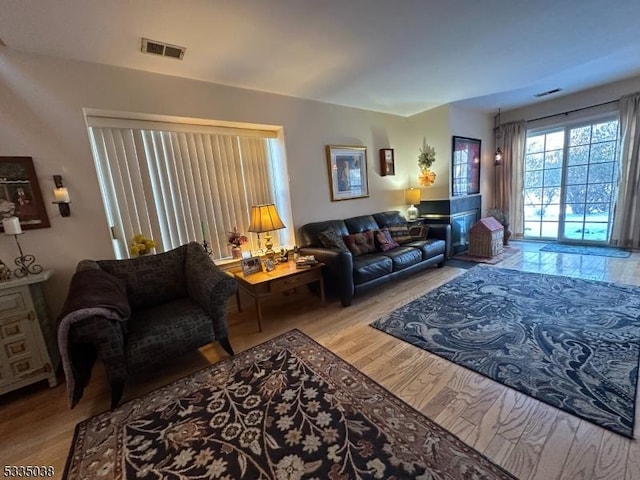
(350, 274)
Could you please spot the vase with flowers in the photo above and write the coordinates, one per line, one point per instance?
(427, 156)
(141, 245)
(236, 239)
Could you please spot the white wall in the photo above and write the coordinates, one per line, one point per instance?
(42, 100)
(437, 127)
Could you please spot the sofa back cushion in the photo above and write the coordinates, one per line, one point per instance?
(309, 233)
(391, 218)
(361, 224)
(360, 243)
(151, 279)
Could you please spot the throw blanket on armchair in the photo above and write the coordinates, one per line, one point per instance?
(92, 293)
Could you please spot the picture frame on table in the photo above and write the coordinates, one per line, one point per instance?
(251, 265)
(269, 265)
(387, 162)
(465, 166)
(347, 167)
(20, 194)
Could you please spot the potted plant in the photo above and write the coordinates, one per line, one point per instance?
(236, 239)
(501, 216)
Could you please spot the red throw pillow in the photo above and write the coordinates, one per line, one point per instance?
(360, 243)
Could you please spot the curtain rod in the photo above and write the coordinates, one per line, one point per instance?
(573, 111)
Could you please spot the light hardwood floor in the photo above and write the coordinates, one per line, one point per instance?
(528, 438)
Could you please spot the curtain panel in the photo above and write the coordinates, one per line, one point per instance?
(510, 173)
(626, 220)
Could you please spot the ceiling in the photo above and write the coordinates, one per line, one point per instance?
(400, 57)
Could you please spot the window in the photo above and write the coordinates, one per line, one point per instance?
(570, 177)
(178, 183)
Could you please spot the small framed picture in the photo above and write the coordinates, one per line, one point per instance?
(387, 162)
(269, 265)
(251, 265)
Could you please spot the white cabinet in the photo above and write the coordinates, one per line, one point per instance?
(28, 349)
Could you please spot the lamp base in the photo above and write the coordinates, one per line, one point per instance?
(269, 252)
(412, 212)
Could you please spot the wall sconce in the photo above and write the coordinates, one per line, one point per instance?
(61, 195)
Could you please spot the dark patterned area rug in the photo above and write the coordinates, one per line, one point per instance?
(286, 409)
(569, 342)
(586, 250)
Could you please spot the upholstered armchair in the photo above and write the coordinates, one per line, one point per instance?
(135, 314)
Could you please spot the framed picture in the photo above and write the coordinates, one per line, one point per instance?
(269, 265)
(347, 172)
(20, 194)
(251, 265)
(465, 169)
(387, 162)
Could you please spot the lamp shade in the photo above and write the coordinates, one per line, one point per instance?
(412, 196)
(265, 218)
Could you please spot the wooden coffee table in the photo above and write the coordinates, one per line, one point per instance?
(262, 285)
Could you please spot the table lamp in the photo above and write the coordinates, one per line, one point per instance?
(412, 197)
(265, 218)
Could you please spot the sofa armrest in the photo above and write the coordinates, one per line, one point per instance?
(338, 269)
(441, 232)
(209, 287)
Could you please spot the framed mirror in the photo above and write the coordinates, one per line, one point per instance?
(465, 166)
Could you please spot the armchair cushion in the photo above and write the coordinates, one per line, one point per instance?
(151, 279)
(165, 331)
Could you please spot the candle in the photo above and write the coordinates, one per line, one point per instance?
(202, 228)
(12, 226)
(61, 195)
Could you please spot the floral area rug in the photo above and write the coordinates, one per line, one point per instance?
(287, 409)
(569, 342)
(506, 253)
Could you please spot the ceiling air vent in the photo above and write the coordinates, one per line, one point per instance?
(163, 49)
(549, 92)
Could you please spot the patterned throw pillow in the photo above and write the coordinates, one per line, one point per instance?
(384, 240)
(332, 239)
(419, 232)
(360, 243)
(400, 233)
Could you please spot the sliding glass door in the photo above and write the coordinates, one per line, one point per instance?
(570, 178)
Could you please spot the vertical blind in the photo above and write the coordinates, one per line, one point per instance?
(177, 184)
